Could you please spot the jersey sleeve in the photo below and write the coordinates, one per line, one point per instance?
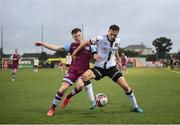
(96, 39)
(67, 47)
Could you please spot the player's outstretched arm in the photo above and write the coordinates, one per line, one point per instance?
(82, 45)
(118, 60)
(117, 57)
(50, 46)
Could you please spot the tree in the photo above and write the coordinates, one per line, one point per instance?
(128, 53)
(163, 45)
(43, 56)
(177, 55)
(60, 54)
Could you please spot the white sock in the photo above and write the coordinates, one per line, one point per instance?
(132, 99)
(90, 93)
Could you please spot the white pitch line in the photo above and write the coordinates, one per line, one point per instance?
(172, 71)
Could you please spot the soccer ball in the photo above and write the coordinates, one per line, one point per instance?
(101, 100)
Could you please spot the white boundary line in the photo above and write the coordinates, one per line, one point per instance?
(172, 71)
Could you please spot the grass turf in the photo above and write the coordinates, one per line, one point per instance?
(28, 99)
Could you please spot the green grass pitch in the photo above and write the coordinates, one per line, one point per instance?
(28, 99)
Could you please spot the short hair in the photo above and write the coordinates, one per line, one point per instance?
(75, 30)
(114, 27)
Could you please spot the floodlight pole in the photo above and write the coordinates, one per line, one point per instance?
(2, 41)
(2, 47)
(42, 36)
(82, 28)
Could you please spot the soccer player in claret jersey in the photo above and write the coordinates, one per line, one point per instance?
(15, 62)
(106, 61)
(78, 66)
(124, 61)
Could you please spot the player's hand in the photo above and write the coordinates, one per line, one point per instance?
(73, 56)
(97, 57)
(38, 44)
(120, 65)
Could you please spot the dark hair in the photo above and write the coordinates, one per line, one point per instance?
(114, 27)
(75, 30)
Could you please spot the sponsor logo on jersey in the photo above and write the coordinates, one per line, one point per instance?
(87, 48)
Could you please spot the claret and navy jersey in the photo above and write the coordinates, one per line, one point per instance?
(80, 64)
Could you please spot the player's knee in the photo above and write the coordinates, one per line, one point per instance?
(86, 76)
(80, 86)
(64, 87)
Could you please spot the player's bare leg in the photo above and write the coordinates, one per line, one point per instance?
(88, 75)
(75, 91)
(78, 88)
(58, 97)
(122, 82)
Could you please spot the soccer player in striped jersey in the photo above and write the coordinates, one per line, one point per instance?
(68, 61)
(78, 66)
(36, 64)
(107, 58)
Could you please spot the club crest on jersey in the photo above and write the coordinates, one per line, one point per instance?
(116, 45)
(87, 48)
